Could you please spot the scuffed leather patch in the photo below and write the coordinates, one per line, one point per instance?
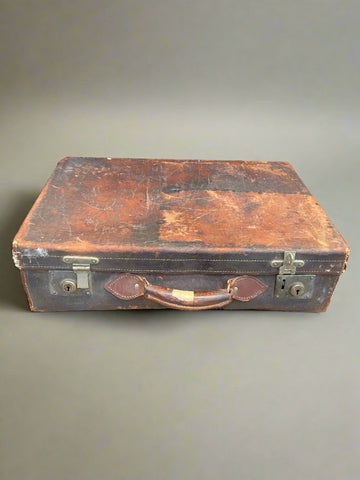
(246, 288)
(126, 286)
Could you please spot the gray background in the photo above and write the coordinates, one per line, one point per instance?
(173, 395)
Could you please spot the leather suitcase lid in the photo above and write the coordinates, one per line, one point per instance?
(152, 208)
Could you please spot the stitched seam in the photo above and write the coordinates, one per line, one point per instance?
(250, 297)
(103, 269)
(123, 297)
(190, 259)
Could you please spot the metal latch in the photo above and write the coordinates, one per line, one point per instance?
(287, 283)
(288, 265)
(81, 268)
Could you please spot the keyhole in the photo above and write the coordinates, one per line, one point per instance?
(297, 289)
(68, 286)
(283, 284)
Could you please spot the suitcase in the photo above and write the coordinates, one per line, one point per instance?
(119, 233)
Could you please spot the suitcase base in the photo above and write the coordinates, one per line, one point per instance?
(45, 292)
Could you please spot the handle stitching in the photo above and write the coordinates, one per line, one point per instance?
(124, 297)
(250, 297)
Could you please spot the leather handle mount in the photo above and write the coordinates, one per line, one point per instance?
(128, 286)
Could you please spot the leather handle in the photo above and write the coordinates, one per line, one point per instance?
(129, 286)
(187, 300)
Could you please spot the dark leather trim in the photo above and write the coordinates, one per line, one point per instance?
(238, 263)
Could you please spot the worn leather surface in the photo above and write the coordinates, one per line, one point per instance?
(153, 205)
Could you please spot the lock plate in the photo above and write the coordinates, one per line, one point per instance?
(294, 286)
(58, 279)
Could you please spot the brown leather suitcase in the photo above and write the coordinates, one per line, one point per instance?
(111, 233)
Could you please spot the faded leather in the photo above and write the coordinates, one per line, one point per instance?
(129, 286)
